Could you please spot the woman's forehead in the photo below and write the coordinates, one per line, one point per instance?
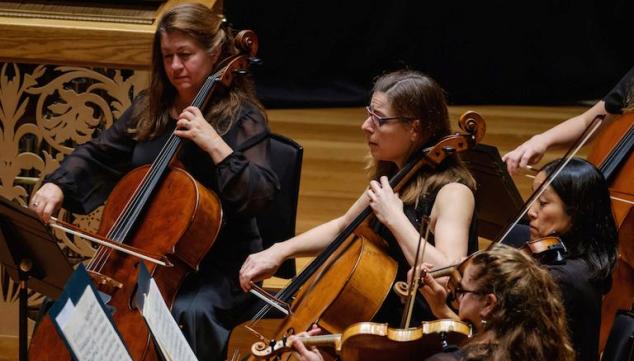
(537, 182)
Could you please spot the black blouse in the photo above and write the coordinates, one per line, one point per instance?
(582, 301)
(615, 100)
(243, 181)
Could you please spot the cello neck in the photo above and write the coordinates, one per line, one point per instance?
(621, 151)
(129, 217)
(471, 122)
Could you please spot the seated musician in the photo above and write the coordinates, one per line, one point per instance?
(617, 101)
(576, 206)
(407, 111)
(512, 303)
(189, 43)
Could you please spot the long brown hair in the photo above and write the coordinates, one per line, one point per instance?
(209, 30)
(414, 95)
(528, 322)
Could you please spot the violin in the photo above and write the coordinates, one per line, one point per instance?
(547, 250)
(162, 210)
(378, 342)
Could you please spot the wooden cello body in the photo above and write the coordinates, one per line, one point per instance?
(349, 281)
(162, 210)
(182, 221)
(612, 153)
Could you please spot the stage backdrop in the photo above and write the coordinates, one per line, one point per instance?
(325, 53)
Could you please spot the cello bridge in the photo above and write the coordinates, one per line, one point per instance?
(104, 281)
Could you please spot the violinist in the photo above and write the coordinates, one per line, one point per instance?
(189, 43)
(618, 100)
(513, 304)
(407, 111)
(576, 206)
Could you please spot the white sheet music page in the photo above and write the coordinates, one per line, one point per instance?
(164, 328)
(89, 332)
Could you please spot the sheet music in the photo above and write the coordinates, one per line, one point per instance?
(164, 328)
(89, 332)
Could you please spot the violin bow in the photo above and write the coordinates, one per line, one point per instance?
(414, 281)
(581, 141)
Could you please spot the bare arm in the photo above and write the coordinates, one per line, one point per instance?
(450, 221)
(262, 265)
(561, 135)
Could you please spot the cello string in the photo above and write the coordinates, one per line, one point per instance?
(114, 233)
(157, 168)
(438, 150)
(124, 223)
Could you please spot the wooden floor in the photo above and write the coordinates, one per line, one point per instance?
(333, 173)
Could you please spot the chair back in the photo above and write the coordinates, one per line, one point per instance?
(277, 221)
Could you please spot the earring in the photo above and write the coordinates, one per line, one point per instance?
(483, 323)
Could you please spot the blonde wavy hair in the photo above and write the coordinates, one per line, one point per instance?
(414, 95)
(528, 322)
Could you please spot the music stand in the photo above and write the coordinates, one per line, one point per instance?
(497, 198)
(31, 256)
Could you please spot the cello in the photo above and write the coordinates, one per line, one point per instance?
(162, 210)
(349, 281)
(612, 154)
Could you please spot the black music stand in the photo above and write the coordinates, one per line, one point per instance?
(497, 198)
(31, 256)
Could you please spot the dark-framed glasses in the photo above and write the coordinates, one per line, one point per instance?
(460, 291)
(379, 121)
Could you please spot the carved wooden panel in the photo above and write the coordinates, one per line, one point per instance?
(45, 111)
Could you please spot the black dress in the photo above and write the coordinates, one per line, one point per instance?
(392, 309)
(582, 300)
(210, 302)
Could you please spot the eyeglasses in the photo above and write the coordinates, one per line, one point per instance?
(379, 121)
(459, 291)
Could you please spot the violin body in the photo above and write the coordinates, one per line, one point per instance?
(378, 342)
(612, 153)
(182, 221)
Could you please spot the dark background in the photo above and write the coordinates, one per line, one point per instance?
(326, 53)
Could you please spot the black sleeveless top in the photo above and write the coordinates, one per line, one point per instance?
(392, 309)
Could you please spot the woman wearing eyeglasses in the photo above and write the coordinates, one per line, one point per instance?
(575, 206)
(407, 111)
(514, 306)
(512, 303)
